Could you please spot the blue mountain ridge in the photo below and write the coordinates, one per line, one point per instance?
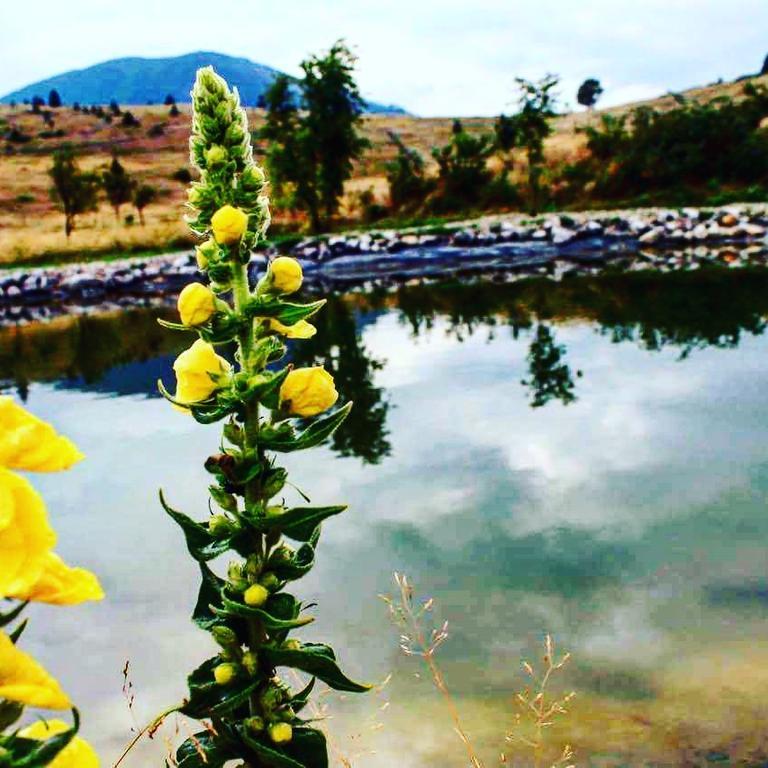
(136, 80)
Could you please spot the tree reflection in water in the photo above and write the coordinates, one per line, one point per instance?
(124, 352)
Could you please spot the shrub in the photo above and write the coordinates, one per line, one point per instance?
(408, 183)
(54, 100)
(182, 175)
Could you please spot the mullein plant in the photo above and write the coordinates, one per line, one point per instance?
(249, 711)
(30, 571)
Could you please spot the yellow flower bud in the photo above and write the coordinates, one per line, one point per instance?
(196, 304)
(216, 155)
(205, 252)
(269, 581)
(286, 274)
(255, 724)
(199, 372)
(255, 596)
(229, 224)
(292, 645)
(250, 663)
(300, 330)
(225, 673)
(308, 391)
(280, 733)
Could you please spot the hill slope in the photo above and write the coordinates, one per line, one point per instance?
(148, 81)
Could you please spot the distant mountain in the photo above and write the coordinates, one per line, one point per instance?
(148, 81)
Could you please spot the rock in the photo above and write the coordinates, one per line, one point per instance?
(651, 236)
(560, 235)
(728, 220)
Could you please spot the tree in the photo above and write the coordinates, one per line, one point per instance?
(115, 108)
(128, 120)
(316, 149)
(464, 172)
(457, 126)
(764, 70)
(408, 185)
(169, 99)
(536, 104)
(589, 92)
(37, 102)
(173, 111)
(54, 100)
(142, 197)
(118, 185)
(75, 190)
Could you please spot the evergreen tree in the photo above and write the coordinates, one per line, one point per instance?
(54, 100)
(74, 190)
(464, 173)
(118, 185)
(408, 185)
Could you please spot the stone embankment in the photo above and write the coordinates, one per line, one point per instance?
(505, 248)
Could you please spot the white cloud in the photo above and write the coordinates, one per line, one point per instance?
(435, 57)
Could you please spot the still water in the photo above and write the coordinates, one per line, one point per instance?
(587, 458)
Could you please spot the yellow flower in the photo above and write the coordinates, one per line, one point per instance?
(77, 754)
(255, 596)
(196, 304)
(225, 673)
(286, 274)
(300, 330)
(23, 680)
(31, 444)
(280, 733)
(205, 252)
(199, 371)
(308, 391)
(26, 537)
(59, 584)
(229, 224)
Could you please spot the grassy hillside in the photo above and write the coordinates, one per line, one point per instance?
(156, 149)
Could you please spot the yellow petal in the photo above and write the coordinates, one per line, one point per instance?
(286, 274)
(300, 330)
(23, 680)
(229, 224)
(59, 584)
(26, 537)
(308, 391)
(29, 443)
(77, 754)
(197, 369)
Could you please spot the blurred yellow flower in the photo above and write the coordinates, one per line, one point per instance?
(229, 224)
(300, 330)
(308, 391)
(199, 371)
(23, 680)
(286, 274)
(28, 443)
(60, 584)
(77, 754)
(26, 537)
(196, 304)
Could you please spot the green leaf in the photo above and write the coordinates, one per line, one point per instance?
(285, 312)
(313, 435)
(300, 700)
(233, 608)
(203, 750)
(209, 599)
(297, 523)
(200, 543)
(207, 698)
(317, 660)
(266, 389)
(18, 631)
(10, 712)
(12, 615)
(268, 754)
(298, 566)
(308, 747)
(174, 326)
(32, 753)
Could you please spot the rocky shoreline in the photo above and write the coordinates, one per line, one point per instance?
(503, 248)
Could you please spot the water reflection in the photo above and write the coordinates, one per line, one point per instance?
(631, 524)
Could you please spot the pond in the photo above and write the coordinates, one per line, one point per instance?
(586, 458)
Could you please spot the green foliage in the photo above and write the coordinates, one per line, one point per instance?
(693, 144)
(408, 183)
(312, 152)
(550, 377)
(250, 614)
(589, 92)
(118, 185)
(464, 173)
(74, 190)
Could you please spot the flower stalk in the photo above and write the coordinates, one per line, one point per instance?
(249, 712)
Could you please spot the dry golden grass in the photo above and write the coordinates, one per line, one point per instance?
(33, 227)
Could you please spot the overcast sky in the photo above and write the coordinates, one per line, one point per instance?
(434, 57)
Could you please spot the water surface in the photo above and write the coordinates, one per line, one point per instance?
(586, 458)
